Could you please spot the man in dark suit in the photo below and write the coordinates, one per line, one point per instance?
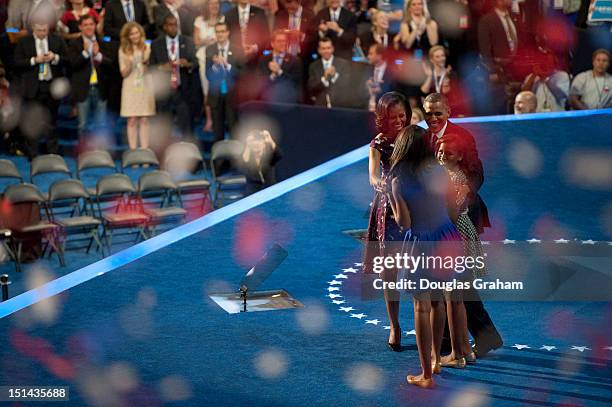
(184, 17)
(174, 55)
(480, 325)
(223, 65)
(300, 24)
(119, 12)
(328, 77)
(498, 43)
(249, 30)
(281, 72)
(339, 24)
(380, 80)
(90, 62)
(40, 58)
(498, 39)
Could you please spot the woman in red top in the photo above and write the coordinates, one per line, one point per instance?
(69, 22)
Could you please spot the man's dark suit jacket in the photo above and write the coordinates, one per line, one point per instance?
(160, 13)
(80, 68)
(114, 19)
(25, 50)
(348, 22)
(478, 212)
(366, 40)
(308, 27)
(339, 92)
(257, 28)
(216, 76)
(188, 76)
(492, 40)
(388, 83)
(286, 87)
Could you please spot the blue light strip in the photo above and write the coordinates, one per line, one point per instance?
(165, 239)
(532, 116)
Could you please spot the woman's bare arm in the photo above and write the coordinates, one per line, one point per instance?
(374, 168)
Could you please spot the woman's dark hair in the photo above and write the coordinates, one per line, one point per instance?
(86, 3)
(411, 148)
(459, 145)
(384, 105)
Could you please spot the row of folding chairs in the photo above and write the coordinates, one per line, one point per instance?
(182, 160)
(69, 210)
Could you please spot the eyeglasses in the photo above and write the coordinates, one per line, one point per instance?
(437, 114)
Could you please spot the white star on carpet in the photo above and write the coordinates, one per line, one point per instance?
(608, 348)
(332, 296)
(485, 242)
(346, 309)
(588, 241)
(340, 276)
(349, 270)
(358, 264)
(534, 240)
(519, 346)
(334, 282)
(561, 241)
(372, 321)
(411, 332)
(548, 347)
(330, 289)
(580, 348)
(508, 241)
(358, 316)
(338, 302)
(387, 327)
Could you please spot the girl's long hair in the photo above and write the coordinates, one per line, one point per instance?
(126, 44)
(411, 148)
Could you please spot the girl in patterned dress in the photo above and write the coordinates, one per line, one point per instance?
(452, 154)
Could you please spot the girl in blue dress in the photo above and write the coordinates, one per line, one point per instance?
(418, 193)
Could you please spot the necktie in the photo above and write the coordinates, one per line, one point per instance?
(294, 37)
(292, 24)
(278, 59)
(128, 11)
(174, 78)
(44, 71)
(244, 18)
(511, 34)
(93, 78)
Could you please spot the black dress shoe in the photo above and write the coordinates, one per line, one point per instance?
(482, 348)
(395, 347)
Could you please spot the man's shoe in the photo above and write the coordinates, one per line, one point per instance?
(482, 348)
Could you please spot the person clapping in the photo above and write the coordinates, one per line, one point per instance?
(260, 155)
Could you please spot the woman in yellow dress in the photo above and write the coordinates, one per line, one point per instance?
(137, 97)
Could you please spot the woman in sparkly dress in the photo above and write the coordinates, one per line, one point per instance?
(392, 116)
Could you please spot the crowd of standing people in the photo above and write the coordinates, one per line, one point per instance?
(179, 60)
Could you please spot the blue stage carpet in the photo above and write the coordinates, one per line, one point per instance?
(147, 334)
